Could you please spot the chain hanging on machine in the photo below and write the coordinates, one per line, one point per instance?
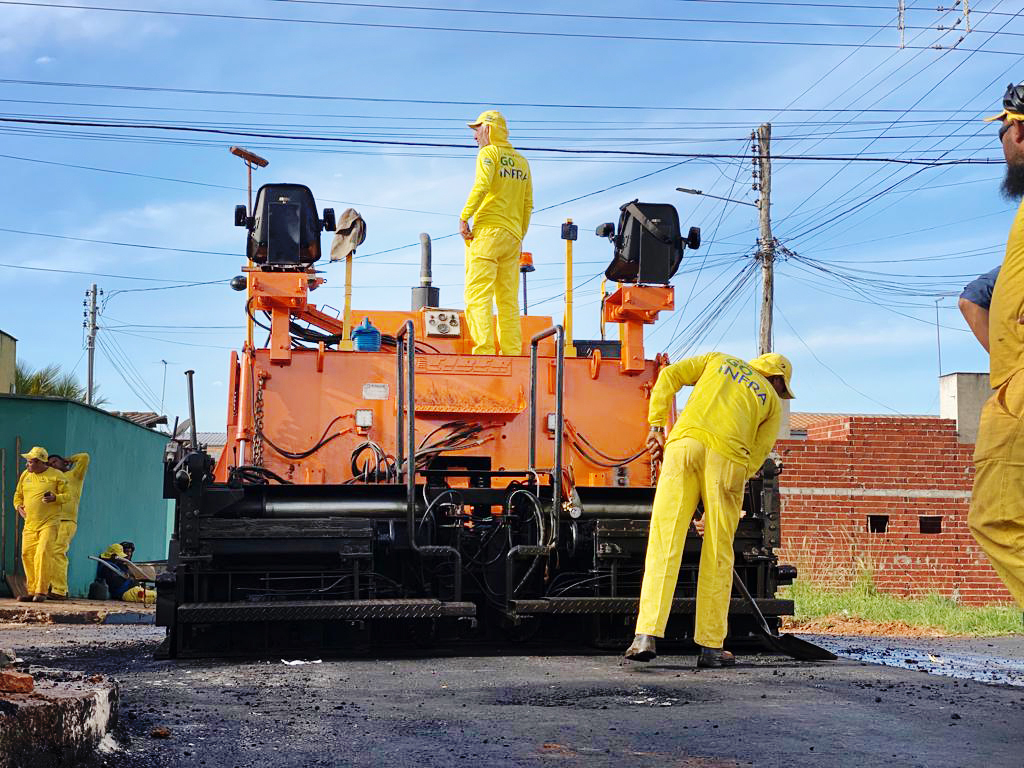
(257, 438)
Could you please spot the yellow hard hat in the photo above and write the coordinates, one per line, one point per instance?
(489, 117)
(774, 364)
(37, 452)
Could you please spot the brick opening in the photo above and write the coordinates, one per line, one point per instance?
(878, 523)
(930, 523)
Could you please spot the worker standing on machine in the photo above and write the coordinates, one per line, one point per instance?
(996, 517)
(722, 437)
(499, 204)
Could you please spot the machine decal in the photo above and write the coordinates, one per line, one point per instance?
(376, 390)
(467, 366)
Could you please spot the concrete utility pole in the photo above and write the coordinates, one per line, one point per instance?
(766, 243)
(91, 343)
(901, 20)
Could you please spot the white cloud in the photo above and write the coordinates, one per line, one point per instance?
(45, 60)
(23, 28)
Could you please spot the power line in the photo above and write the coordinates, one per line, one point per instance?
(101, 274)
(437, 102)
(558, 150)
(829, 368)
(234, 18)
(598, 17)
(117, 243)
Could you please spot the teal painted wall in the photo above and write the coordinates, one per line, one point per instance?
(123, 493)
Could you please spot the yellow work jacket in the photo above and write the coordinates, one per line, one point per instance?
(1005, 328)
(75, 478)
(733, 409)
(502, 194)
(29, 493)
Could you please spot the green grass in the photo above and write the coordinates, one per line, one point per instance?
(864, 601)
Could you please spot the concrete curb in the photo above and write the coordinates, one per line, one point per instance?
(61, 723)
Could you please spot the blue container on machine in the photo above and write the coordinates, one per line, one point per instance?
(365, 337)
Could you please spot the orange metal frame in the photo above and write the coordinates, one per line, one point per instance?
(297, 393)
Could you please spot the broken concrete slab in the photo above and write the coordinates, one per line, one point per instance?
(76, 612)
(61, 722)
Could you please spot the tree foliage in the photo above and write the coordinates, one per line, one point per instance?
(50, 381)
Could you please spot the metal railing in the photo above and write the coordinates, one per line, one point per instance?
(542, 550)
(405, 400)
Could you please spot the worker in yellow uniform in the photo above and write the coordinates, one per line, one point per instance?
(74, 469)
(721, 438)
(996, 517)
(500, 205)
(39, 498)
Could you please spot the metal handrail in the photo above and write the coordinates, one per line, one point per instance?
(556, 491)
(406, 398)
(527, 550)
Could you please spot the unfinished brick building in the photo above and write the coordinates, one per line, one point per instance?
(886, 495)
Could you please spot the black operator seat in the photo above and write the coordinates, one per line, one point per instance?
(285, 230)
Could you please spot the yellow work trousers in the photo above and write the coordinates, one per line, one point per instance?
(39, 550)
(139, 594)
(59, 578)
(492, 277)
(997, 502)
(692, 472)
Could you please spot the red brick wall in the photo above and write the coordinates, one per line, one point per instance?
(850, 467)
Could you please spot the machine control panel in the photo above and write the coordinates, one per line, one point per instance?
(442, 322)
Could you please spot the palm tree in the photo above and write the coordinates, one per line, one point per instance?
(51, 381)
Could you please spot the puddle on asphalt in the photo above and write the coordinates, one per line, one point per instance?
(593, 698)
(978, 667)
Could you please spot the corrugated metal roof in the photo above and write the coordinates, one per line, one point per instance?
(213, 439)
(142, 418)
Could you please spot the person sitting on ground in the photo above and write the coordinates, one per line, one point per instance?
(120, 586)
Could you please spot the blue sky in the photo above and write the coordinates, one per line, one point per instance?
(875, 244)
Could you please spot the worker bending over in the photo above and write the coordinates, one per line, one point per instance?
(721, 438)
(499, 204)
(74, 469)
(996, 517)
(39, 497)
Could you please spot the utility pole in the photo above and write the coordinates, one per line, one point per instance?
(91, 340)
(163, 389)
(766, 243)
(901, 20)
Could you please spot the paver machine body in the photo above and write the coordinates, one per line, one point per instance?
(410, 491)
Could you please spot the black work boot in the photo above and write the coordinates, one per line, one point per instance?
(642, 648)
(712, 658)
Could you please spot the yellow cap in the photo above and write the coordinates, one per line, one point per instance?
(37, 452)
(489, 117)
(1004, 115)
(774, 364)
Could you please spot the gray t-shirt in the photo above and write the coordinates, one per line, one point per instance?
(980, 291)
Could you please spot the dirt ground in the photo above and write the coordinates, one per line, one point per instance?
(522, 707)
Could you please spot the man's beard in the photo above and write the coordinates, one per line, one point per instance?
(1013, 183)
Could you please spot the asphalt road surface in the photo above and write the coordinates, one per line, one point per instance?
(522, 707)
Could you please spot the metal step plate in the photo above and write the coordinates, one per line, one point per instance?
(631, 606)
(312, 610)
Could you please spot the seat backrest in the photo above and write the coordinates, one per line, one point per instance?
(286, 229)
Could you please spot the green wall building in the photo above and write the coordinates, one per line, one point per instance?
(123, 494)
